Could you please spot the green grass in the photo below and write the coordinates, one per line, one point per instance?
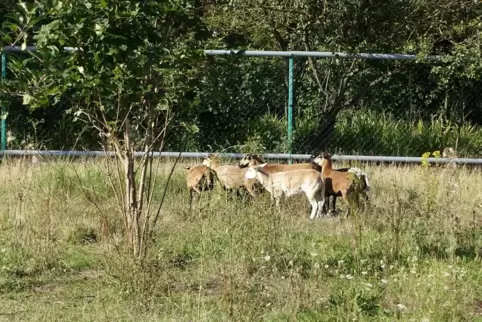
(365, 132)
(379, 133)
(415, 253)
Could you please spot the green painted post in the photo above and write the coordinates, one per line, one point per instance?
(4, 110)
(290, 107)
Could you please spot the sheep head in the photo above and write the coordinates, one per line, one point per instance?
(312, 158)
(208, 161)
(250, 159)
(317, 159)
(253, 170)
(325, 155)
(321, 158)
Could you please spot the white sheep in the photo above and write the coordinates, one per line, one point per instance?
(292, 183)
(256, 159)
(231, 177)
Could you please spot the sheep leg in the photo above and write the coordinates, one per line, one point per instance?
(327, 203)
(238, 193)
(319, 202)
(322, 206)
(344, 195)
(277, 196)
(278, 207)
(314, 208)
(250, 189)
(210, 195)
(332, 211)
(231, 191)
(326, 207)
(365, 196)
(191, 195)
(323, 203)
(190, 199)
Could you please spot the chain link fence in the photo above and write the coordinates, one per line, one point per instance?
(348, 106)
(240, 105)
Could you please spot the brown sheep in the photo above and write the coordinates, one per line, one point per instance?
(342, 183)
(231, 177)
(199, 178)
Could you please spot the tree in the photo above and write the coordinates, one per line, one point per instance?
(318, 26)
(127, 78)
(353, 26)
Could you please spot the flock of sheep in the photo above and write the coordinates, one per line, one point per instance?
(316, 179)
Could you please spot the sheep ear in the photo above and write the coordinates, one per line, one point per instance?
(262, 165)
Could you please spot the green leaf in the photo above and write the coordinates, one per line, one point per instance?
(81, 70)
(26, 99)
(99, 29)
(193, 128)
(24, 43)
(23, 5)
(163, 105)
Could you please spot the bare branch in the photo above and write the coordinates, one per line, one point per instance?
(118, 195)
(118, 105)
(146, 159)
(312, 63)
(158, 212)
(163, 132)
(367, 88)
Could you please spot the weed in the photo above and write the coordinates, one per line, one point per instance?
(82, 235)
(413, 253)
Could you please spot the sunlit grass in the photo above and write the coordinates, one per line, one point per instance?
(414, 254)
(365, 132)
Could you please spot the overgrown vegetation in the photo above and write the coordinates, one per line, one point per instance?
(113, 239)
(220, 103)
(124, 96)
(415, 253)
(366, 132)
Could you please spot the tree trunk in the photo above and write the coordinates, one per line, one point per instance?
(321, 138)
(132, 211)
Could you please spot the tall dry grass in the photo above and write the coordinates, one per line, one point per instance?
(414, 253)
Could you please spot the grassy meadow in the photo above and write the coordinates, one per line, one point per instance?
(415, 254)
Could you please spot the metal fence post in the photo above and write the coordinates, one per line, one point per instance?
(3, 125)
(290, 107)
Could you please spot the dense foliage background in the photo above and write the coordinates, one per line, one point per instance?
(236, 103)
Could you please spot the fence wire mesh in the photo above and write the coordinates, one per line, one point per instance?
(399, 108)
(345, 106)
(240, 105)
